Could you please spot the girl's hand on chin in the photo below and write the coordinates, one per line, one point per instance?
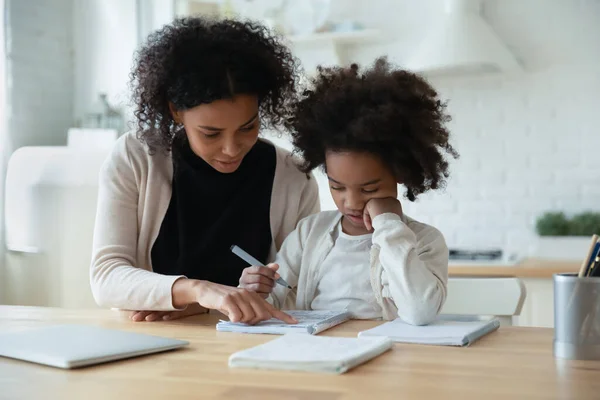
(377, 207)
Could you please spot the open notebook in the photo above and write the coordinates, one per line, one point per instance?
(298, 352)
(311, 322)
(445, 331)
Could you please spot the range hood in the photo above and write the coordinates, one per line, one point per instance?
(462, 43)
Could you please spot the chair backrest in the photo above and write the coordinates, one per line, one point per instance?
(499, 297)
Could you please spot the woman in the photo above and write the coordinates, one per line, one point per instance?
(195, 178)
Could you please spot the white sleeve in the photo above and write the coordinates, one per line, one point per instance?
(115, 280)
(289, 259)
(415, 269)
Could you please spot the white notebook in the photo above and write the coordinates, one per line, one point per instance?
(74, 346)
(299, 352)
(443, 331)
(310, 322)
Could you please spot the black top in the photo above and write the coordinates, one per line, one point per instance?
(210, 211)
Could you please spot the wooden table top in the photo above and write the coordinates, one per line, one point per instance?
(529, 268)
(510, 363)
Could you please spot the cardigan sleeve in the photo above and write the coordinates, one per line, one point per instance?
(290, 259)
(415, 267)
(309, 199)
(115, 279)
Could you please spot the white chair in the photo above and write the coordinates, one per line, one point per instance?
(499, 297)
(50, 210)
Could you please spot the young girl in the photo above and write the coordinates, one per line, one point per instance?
(371, 131)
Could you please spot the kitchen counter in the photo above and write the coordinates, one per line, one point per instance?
(528, 268)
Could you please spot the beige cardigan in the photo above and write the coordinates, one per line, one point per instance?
(408, 265)
(134, 194)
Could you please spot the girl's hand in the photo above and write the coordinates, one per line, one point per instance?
(375, 207)
(260, 279)
(190, 310)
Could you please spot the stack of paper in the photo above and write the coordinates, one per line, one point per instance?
(444, 331)
(311, 322)
(296, 352)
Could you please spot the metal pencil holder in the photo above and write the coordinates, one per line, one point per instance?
(576, 317)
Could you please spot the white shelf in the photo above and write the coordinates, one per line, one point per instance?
(358, 36)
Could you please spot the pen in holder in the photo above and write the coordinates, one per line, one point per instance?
(576, 317)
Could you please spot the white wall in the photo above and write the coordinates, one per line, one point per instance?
(105, 35)
(153, 15)
(526, 141)
(523, 145)
(40, 71)
(61, 55)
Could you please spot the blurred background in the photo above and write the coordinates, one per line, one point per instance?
(521, 78)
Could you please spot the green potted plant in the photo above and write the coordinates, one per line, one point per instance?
(565, 238)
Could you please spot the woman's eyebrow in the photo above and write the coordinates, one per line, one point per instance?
(210, 128)
(250, 120)
(215, 129)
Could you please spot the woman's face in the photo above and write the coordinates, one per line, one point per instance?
(222, 132)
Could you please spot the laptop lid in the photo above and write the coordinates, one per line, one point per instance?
(74, 346)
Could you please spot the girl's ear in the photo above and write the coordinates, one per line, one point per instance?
(175, 114)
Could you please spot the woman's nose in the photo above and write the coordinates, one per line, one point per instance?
(231, 148)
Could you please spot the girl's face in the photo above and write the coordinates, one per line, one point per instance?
(222, 132)
(354, 179)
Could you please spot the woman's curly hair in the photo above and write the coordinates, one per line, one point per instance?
(391, 113)
(198, 60)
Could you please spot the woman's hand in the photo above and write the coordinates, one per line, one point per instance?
(376, 207)
(190, 310)
(239, 304)
(260, 279)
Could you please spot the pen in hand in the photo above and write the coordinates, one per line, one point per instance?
(253, 261)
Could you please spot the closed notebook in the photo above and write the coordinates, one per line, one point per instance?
(300, 352)
(310, 322)
(460, 331)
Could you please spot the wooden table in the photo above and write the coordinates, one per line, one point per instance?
(529, 268)
(511, 363)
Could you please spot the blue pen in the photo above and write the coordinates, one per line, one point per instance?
(253, 261)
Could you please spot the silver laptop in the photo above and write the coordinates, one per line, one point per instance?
(74, 346)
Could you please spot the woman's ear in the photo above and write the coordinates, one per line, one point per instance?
(176, 115)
